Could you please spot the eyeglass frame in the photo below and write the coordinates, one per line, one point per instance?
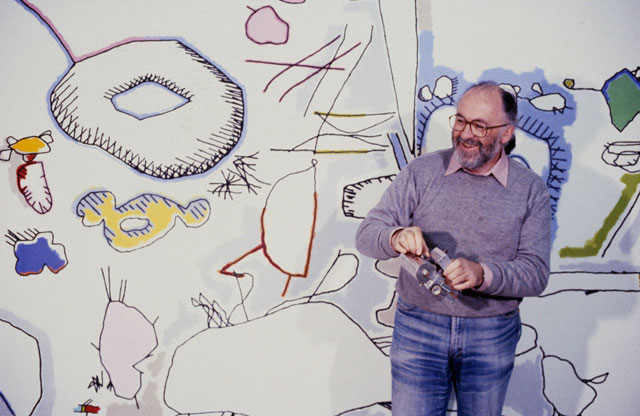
(454, 117)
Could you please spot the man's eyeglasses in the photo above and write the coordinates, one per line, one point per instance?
(478, 128)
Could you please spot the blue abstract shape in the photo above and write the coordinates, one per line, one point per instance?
(398, 152)
(32, 256)
(547, 126)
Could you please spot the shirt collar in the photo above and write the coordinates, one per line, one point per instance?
(499, 171)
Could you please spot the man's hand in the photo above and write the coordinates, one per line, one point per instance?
(409, 240)
(464, 274)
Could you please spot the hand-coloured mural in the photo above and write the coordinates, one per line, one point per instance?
(182, 183)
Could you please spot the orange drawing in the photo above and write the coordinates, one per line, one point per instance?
(289, 210)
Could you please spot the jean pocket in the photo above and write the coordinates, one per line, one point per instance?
(404, 306)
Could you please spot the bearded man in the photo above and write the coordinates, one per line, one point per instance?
(492, 215)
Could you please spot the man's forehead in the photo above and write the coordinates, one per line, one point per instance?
(481, 103)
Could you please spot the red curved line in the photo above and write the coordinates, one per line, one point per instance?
(224, 268)
(299, 62)
(257, 61)
(316, 72)
(309, 248)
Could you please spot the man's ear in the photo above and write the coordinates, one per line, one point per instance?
(507, 134)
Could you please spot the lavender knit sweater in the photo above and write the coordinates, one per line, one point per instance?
(475, 217)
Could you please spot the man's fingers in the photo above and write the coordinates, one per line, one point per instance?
(409, 240)
(425, 249)
(463, 274)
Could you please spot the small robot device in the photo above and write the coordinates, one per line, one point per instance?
(428, 272)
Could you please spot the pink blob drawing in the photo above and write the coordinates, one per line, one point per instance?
(127, 338)
(264, 26)
(293, 1)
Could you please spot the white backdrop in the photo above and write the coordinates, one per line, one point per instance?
(182, 181)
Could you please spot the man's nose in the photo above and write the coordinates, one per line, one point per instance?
(466, 132)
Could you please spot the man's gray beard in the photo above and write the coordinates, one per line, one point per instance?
(485, 154)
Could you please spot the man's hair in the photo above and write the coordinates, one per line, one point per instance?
(509, 105)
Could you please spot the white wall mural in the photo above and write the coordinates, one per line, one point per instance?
(182, 182)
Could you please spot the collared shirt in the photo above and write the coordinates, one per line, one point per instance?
(500, 170)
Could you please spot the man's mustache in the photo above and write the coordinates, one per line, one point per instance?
(468, 142)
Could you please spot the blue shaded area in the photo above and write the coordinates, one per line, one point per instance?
(5, 407)
(547, 126)
(624, 73)
(170, 100)
(398, 152)
(34, 255)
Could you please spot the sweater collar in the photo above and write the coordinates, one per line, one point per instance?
(500, 170)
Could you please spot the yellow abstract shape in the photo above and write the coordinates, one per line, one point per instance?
(153, 217)
(32, 144)
(29, 145)
(569, 83)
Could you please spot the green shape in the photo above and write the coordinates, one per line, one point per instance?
(593, 245)
(622, 93)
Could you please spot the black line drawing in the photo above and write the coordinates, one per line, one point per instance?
(242, 177)
(564, 389)
(302, 316)
(547, 102)
(358, 198)
(622, 154)
(82, 105)
(343, 133)
(20, 392)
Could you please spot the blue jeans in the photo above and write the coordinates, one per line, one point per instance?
(430, 353)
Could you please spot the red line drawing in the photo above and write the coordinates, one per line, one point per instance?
(30, 176)
(299, 64)
(284, 258)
